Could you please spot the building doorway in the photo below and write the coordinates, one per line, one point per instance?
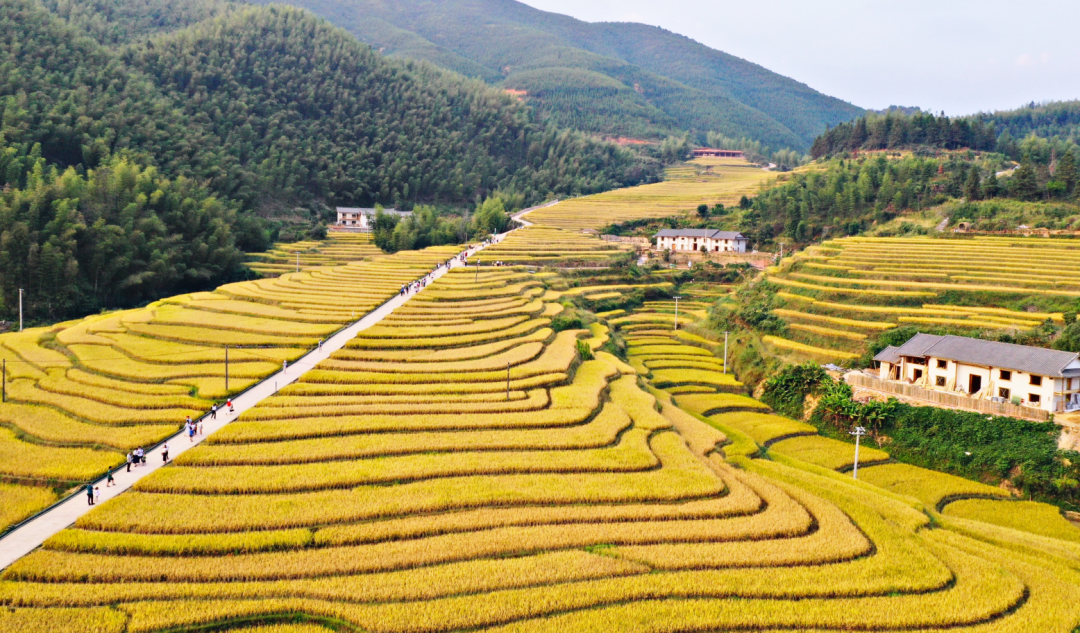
(974, 384)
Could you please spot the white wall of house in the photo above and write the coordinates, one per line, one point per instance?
(695, 243)
(1040, 392)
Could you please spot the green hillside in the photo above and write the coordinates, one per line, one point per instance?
(257, 112)
(613, 78)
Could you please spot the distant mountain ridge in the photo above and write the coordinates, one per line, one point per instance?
(618, 79)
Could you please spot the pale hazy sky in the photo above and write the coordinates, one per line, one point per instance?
(960, 56)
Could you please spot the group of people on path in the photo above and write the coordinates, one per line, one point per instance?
(137, 457)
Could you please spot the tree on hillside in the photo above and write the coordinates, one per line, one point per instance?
(972, 188)
(491, 216)
(1024, 185)
(1066, 173)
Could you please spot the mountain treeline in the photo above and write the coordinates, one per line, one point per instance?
(849, 196)
(615, 78)
(1035, 131)
(119, 234)
(898, 131)
(255, 112)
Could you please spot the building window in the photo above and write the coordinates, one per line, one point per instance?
(1034, 398)
(1036, 380)
(1004, 393)
(1005, 375)
(943, 364)
(940, 381)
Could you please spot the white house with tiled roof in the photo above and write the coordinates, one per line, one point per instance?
(694, 240)
(1032, 376)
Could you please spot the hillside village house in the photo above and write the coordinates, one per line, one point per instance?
(688, 240)
(1034, 377)
(717, 153)
(356, 218)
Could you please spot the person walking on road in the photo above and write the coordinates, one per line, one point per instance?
(191, 432)
(129, 461)
(109, 481)
(320, 345)
(140, 456)
(213, 411)
(284, 366)
(97, 495)
(165, 453)
(229, 404)
(89, 494)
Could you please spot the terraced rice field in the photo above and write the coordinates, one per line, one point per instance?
(701, 181)
(844, 291)
(80, 395)
(338, 248)
(460, 467)
(545, 246)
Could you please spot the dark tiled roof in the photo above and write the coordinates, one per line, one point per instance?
(711, 233)
(971, 351)
(888, 355)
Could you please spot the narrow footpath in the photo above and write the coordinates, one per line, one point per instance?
(31, 534)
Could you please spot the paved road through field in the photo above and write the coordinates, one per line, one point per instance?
(30, 535)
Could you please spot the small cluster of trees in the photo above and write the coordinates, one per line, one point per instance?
(426, 227)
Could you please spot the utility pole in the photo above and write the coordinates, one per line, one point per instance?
(858, 433)
(20, 309)
(725, 351)
(676, 312)
(226, 369)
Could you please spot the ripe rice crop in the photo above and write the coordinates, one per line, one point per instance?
(932, 488)
(23, 459)
(961, 322)
(442, 355)
(870, 325)
(1029, 516)
(827, 453)
(467, 518)
(807, 349)
(630, 455)
(18, 502)
(664, 377)
(763, 428)
(602, 430)
(708, 404)
(852, 291)
(52, 426)
(450, 341)
(824, 331)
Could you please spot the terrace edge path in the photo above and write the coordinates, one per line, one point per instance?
(31, 534)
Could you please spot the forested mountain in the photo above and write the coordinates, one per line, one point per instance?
(1012, 132)
(612, 78)
(178, 139)
(1058, 118)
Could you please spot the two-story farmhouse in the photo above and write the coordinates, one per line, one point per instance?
(362, 219)
(711, 240)
(1034, 377)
